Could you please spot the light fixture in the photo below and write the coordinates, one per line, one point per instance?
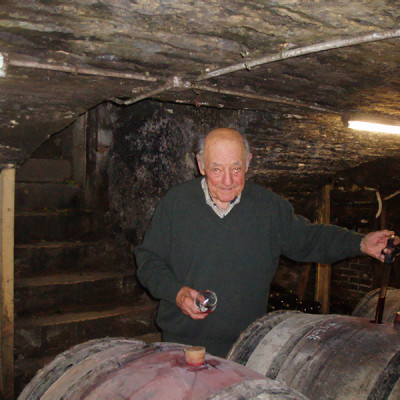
(374, 127)
(372, 122)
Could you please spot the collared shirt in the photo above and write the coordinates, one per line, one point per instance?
(216, 208)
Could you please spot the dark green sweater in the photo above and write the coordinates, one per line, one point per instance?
(187, 244)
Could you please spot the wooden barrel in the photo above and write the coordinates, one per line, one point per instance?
(367, 306)
(324, 356)
(117, 368)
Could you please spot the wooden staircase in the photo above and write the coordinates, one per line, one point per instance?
(73, 280)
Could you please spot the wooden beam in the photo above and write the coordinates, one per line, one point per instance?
(303, 281)
(7, 196)
(79, 151)
(323, 278)
(383, 216)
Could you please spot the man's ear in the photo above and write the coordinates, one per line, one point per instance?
(201, 169)
(248, 161)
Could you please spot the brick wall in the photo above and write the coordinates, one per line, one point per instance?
(352, 279)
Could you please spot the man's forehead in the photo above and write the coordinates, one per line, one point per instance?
(216, 163)
(234, 144)
(220, 137)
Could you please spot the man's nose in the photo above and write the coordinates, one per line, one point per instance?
(227, 180)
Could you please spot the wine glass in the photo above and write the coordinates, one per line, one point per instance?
(206, 301)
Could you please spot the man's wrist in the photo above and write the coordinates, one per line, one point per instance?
(362, 245)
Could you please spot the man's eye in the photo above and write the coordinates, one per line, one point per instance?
(216, 170)
(237, 169)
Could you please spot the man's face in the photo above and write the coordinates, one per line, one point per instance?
(224, 161)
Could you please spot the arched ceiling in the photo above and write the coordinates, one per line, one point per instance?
(310, 61)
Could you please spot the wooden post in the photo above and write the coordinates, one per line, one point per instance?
(79, 151)
(378, 266)
(382, 220)
(303, 281)
(323, 278)
(7, 196)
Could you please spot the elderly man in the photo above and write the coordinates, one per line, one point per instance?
(221, 233)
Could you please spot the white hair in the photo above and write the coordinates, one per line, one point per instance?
(202, 141)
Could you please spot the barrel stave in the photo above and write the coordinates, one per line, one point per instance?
(118, 368)
(326, 356)
(366, 307)
(51, 372)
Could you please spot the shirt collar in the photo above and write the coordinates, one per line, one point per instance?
(216, 208)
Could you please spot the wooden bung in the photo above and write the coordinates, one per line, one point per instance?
(195, 355)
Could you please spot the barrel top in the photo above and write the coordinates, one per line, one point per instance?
(159, 370)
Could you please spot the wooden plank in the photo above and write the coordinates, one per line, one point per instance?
(383, 216)
(7, 192)
(303, 281)
(323, 278)
(378, 267)
(79, 151)
(44, 170)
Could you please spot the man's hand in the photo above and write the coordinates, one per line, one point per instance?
(185, 301)
(374, 242)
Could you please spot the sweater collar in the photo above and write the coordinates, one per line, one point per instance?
(216, 208)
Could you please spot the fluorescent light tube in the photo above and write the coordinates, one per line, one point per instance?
(372, 127)
(2, 66)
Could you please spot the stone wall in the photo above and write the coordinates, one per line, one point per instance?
(153, 150)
